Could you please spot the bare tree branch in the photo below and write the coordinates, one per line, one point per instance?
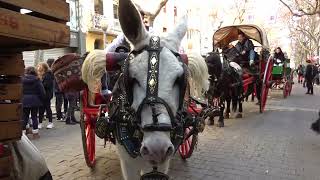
(315, 9)
(285, 4)
(241, 10)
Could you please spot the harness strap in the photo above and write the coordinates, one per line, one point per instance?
(153, 67)
(151, 101)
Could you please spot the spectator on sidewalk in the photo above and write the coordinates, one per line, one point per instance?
(50, 62)
(33, 93)
(46, 77)
(300, 73)
(72, 99)
(309, 76)
(60, 99)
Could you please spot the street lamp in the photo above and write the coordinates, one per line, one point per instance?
(104, 26)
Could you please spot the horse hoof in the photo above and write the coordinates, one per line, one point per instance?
(220, 124)
(239, 116)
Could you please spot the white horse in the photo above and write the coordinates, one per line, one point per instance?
(156, 146)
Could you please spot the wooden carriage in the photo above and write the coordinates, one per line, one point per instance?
(24, 25)
(229, 34)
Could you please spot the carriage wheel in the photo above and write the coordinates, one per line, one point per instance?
(187, 147)
(266, 84)
(88, 138)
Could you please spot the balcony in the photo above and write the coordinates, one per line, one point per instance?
(96, 21)
(114, 24)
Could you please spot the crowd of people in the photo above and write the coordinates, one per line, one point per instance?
(39, 88)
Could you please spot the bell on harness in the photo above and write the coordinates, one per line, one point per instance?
(104, 127)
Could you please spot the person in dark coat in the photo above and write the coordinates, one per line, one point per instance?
(60, 99)
(72, 99)
(246, 48)
(309, 76)
(47, 79)
(33, 94)
(278, 56)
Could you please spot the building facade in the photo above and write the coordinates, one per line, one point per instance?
(96, 14)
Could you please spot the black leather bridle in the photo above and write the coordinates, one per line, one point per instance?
(129, 120)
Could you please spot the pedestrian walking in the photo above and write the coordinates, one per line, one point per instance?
(309, 77)
(72, 99)
(300, 74)
(33, 94)
(46, 77)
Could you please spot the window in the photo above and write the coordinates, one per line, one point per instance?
(73, 15)
(251, 18)
(98, 44)
(272, 18)
(175, 11)
(98, 6)
(164, 29)
(115, 11)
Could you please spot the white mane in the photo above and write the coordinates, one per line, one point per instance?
(199, 76)
(93, 68)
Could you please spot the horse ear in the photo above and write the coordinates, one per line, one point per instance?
(131, 22)
(175, 37)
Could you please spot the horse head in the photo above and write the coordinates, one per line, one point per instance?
(155, 111)
(215, 70)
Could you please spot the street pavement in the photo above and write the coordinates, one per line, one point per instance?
(275, 145)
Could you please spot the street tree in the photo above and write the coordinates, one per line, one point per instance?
(302, 7)
(306, 32)
(240, 10)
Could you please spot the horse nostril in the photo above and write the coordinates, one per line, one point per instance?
(144, 150)
(169, 151)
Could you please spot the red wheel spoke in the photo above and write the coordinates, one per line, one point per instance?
(186, 148)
